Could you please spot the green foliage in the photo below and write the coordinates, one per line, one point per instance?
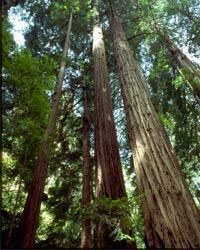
(7, 41)
(29, 76)
(121, 214)
(27, 82)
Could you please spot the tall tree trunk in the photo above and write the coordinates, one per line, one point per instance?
(109, 180)
(171, 217)
(30, 215)
(86, 224)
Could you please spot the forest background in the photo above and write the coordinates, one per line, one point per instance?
(29, 76)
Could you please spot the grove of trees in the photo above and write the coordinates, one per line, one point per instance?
(101, 124)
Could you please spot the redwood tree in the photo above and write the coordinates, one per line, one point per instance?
(30, 215)
(109, 181)
(86, 223)
(171, 217)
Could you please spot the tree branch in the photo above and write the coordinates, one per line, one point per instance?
(140, 34)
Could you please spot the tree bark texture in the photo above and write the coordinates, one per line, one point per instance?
(110, 182)
(109, 177)
(86, 241)
(171, 217)
(30, 215)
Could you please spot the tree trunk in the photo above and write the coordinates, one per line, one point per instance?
(171, 217)
(109, 178)
(184, 62)
(180, 58)
(110, 182)
(30, 215)
(8, 242)
(86, 224)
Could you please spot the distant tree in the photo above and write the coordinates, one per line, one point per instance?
(86, 239)
(179, 57)
(30, 215)
(185, 63)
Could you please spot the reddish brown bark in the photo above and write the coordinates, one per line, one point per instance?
(109, 182)
(86, 224)
(30, 215)
(171, 217)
